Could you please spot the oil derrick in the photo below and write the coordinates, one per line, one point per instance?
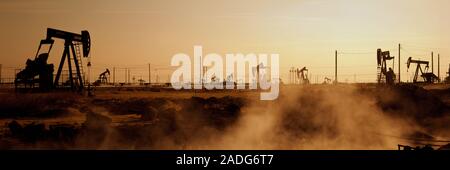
(428, 77)
(102, 78)
(38, 66)
(384, 74)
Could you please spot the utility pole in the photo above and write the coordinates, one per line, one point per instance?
(432, 63)
(439, 70)
(393, 64)
(126, 73)
(335, 67)
(293, 75)
(149, 74)
(290, 76)
(157, 76)
(399, 47)
(114, 75)
(205, 69)
(0, 73)
(201, 71)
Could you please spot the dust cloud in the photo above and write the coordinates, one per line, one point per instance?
(331, 117)
(321, 118)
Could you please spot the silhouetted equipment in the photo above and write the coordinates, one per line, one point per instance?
(102, 78)
(447, 79)
(423, 148)
(36, 71)
(428, 77)
(302, 75)
(256, 70)
(298, 76)
(213, 78)
(385, 75)
(326, 80)
(70, 38)
(38, 66)
(141, 81)
(229, 80)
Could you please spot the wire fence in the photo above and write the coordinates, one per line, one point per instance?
(160, 73)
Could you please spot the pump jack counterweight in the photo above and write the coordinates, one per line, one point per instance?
(34, 68)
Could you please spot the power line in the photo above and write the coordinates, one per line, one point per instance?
(427, 48)
(355, 53)
(411, 53)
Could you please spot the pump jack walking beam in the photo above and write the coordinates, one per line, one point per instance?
(70, 38)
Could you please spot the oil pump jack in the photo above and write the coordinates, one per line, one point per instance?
(39, 66)
(302, 75)
(326, 80)
(384, 74)
(102, 78)
(428, 77)
(299, 76)
(256, 70)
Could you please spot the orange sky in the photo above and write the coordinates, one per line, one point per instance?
(304, 32)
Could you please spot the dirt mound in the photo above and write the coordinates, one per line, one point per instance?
(38, 134)
(409, 100)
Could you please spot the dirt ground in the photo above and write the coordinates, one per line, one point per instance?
(347, 116)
